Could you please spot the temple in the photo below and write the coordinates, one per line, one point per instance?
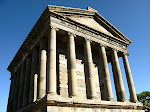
(62, 66)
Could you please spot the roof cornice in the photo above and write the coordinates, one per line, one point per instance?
(115, 30)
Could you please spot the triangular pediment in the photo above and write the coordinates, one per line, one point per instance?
(90, 22)
(90, 18)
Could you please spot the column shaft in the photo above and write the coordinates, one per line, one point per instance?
(35, 87)
(16, 90)
(27, 82)
(52, 62)
(118, 77)
(21, 86)
(13, 91)
(42, 75)
(133, 96)
(72, 66)
(10, 96)
(105, 72)
(34, 70)
(89, 70)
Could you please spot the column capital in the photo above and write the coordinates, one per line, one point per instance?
(102, 45)
(71, 34)
(87, 39)
(54, 27)
(125, 53)
(114, 49)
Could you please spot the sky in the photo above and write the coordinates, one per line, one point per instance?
(131, 17)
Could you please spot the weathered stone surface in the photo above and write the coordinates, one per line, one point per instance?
(72, 73)
(64, 91)
(74, 109)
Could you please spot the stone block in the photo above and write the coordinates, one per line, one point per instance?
(63, 79)
(82, 94)
(81, 83)
(63, 68)
(80, 67)
(63, 92)
(62, 57)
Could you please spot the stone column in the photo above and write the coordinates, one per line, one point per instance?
(13, 91)
(117, 77)
(89, 70)
(21, 86)
(52, 78)
(42, 75)
(35, 87)
(105, 72)
(10, 95)
(27, 82)
(72, 66)
(34, 70)
(133, 96)
(16, 90)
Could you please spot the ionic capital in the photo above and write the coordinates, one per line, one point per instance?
(114, 49)
(54, 27)
(125, 53)
(102, 45)
(87, 39)
(71, 34)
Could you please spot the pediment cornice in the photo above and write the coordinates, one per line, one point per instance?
(68, 11)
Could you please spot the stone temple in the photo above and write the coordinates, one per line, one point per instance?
(62, 66)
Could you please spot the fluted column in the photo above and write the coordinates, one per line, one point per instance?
(16, 90)
(118, 77)
(72, 66)
(35, 87)
(105, 72)
(13, 91)
(52, 78)
(10, 95)
(27, 82)
(89, 70)
(21, 86)
(42, 75)
(34, 70)
(133, 96)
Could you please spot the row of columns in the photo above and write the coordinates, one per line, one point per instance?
(89, 69)
(23, 89)
(24, 82)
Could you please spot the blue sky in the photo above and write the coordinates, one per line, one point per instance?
(131, 17)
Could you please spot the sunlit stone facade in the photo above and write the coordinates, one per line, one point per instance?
(62, 66)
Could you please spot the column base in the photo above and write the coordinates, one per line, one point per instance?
(135, 101)
(73, 96)
(93, 97)
(51, 96)
(123, 100)
(110, 99)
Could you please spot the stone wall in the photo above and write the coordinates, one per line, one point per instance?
(62, 75)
